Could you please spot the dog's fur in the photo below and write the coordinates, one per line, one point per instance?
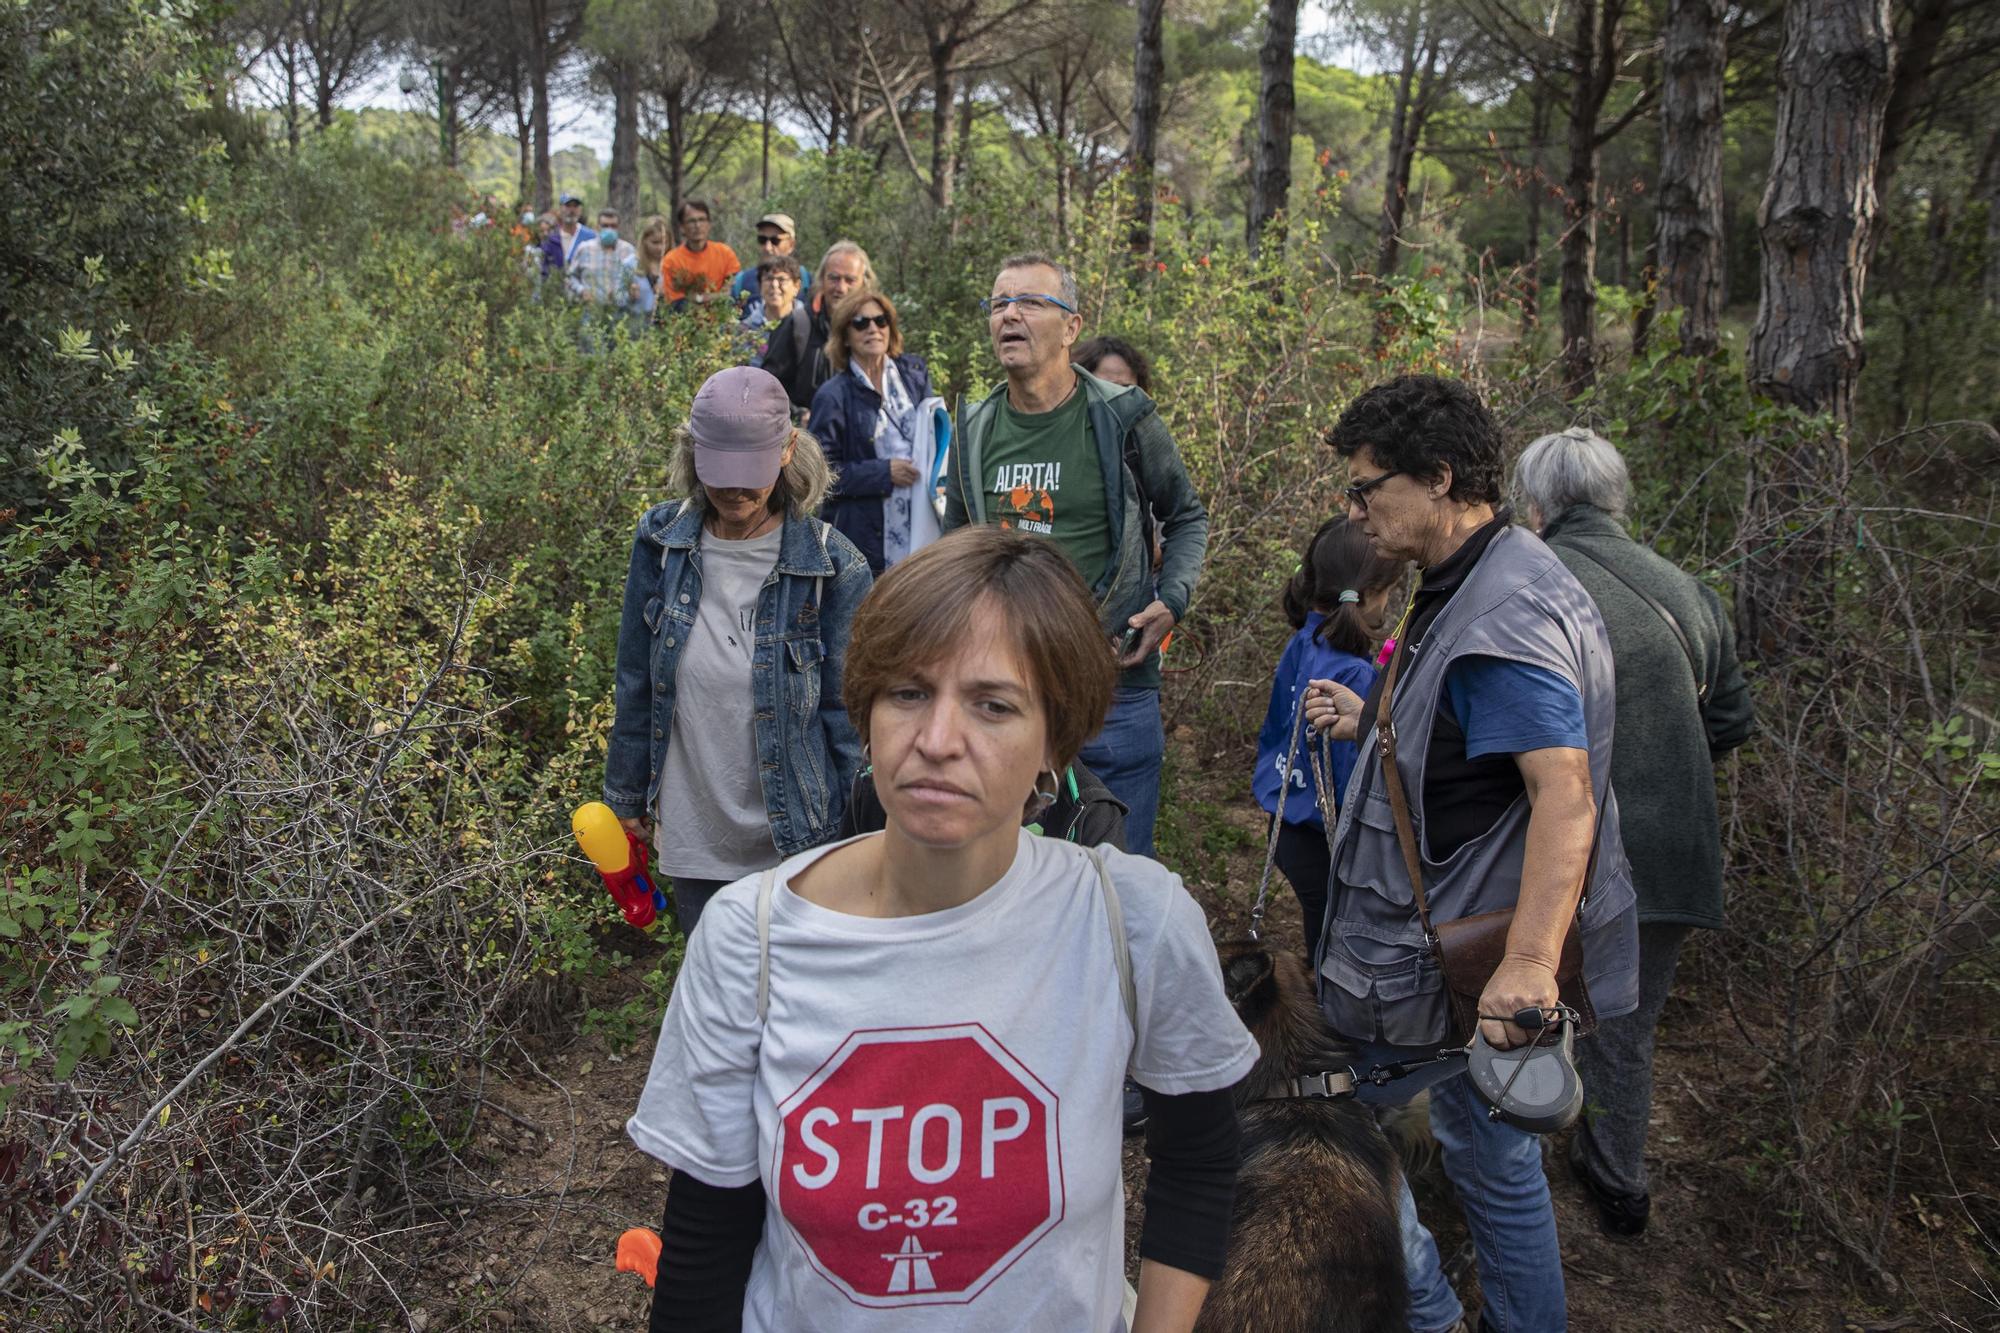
(1314, 1243)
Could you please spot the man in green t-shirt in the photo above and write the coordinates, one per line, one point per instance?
(1090, 465)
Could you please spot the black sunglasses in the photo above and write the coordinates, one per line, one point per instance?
(765, 238)
(863, 321)
(1357, 494)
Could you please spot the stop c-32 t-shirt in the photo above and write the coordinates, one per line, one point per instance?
(932, 1102)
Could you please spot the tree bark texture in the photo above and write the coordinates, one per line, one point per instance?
(1149, 75)
(1819, 202)
(943, 163)
(1531, 261)
(1276, 103)
(623, 183)
(1688, 217)
(1591, 68)
(538, 82)
(1819, 205)
(1402, 155)
(1910, 90)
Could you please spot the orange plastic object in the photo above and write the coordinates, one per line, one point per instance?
(639, 1252)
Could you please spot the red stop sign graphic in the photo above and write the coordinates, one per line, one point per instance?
(917, 1164)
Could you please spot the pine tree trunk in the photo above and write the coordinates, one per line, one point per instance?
(623, 183)
(538, 74)
(288, 57)
(1276, 103)
(1396, 184)
(1988, 188)
(524, 175)
(1688, 218)
(1819, 202)
(1149, 75)
(1579, 240)
(1531, 262)
(943, 167)
(1819, 206)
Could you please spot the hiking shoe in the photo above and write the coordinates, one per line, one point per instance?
(1620, 1216)
(1135, 1109)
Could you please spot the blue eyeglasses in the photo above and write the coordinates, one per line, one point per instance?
(1031, 302)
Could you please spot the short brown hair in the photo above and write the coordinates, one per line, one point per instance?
(838, 329)
(917, 611)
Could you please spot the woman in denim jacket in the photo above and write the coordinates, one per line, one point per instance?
(730, 732)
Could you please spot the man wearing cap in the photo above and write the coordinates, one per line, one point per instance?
(777, 235)
(698, 270)
(560, 245)
(738, 604)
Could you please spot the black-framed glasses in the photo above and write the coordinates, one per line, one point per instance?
(765, 238)
(860, 322)
(1357, 494)
(1030, 302)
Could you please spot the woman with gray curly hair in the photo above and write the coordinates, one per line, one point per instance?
(730, 733)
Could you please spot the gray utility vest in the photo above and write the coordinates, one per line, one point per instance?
(1378, 978)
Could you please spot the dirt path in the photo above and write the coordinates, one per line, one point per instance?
(568, 1182)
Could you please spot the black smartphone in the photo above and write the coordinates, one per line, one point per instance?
(1128, 643)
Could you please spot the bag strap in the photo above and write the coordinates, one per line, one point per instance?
(766, 886)
(1399, 799)
(1399, 805)
(1660, 610)
(1121, 947)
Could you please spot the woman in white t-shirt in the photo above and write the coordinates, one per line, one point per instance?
(889, 1078)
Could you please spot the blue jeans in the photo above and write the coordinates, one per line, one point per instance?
(690, 896)
(1127, 755)
(1497, 1171)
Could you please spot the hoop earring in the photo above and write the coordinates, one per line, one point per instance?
(1039, 800)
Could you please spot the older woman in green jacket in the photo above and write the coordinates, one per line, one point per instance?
(1681, 704)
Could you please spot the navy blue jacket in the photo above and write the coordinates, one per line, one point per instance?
(844, 410)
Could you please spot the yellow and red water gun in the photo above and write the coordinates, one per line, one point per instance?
(620, 859)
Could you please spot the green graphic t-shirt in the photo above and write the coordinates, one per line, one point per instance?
(1043, 475)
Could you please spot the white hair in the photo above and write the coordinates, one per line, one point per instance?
(1572, 467)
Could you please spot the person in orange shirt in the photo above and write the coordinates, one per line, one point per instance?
(697, 270)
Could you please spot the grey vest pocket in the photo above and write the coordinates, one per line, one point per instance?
(1401, 1002)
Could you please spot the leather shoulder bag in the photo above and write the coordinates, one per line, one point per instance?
(1469, 950)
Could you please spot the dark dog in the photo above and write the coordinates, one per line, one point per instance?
(1314, 1245)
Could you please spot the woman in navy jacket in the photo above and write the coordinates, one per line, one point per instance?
(865, 418)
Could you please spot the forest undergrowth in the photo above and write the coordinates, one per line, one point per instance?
(307, 610)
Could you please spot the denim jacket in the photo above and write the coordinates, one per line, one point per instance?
(807, 751)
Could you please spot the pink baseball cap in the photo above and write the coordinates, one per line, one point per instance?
(741, 421)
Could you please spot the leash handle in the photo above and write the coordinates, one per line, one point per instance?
(1278, 818)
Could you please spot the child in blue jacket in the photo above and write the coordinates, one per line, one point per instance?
(1338, 602)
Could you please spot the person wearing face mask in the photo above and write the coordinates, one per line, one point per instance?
(730, 732)
(878, 421)
(566, 237)
(604, 273)
(1057, 451)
